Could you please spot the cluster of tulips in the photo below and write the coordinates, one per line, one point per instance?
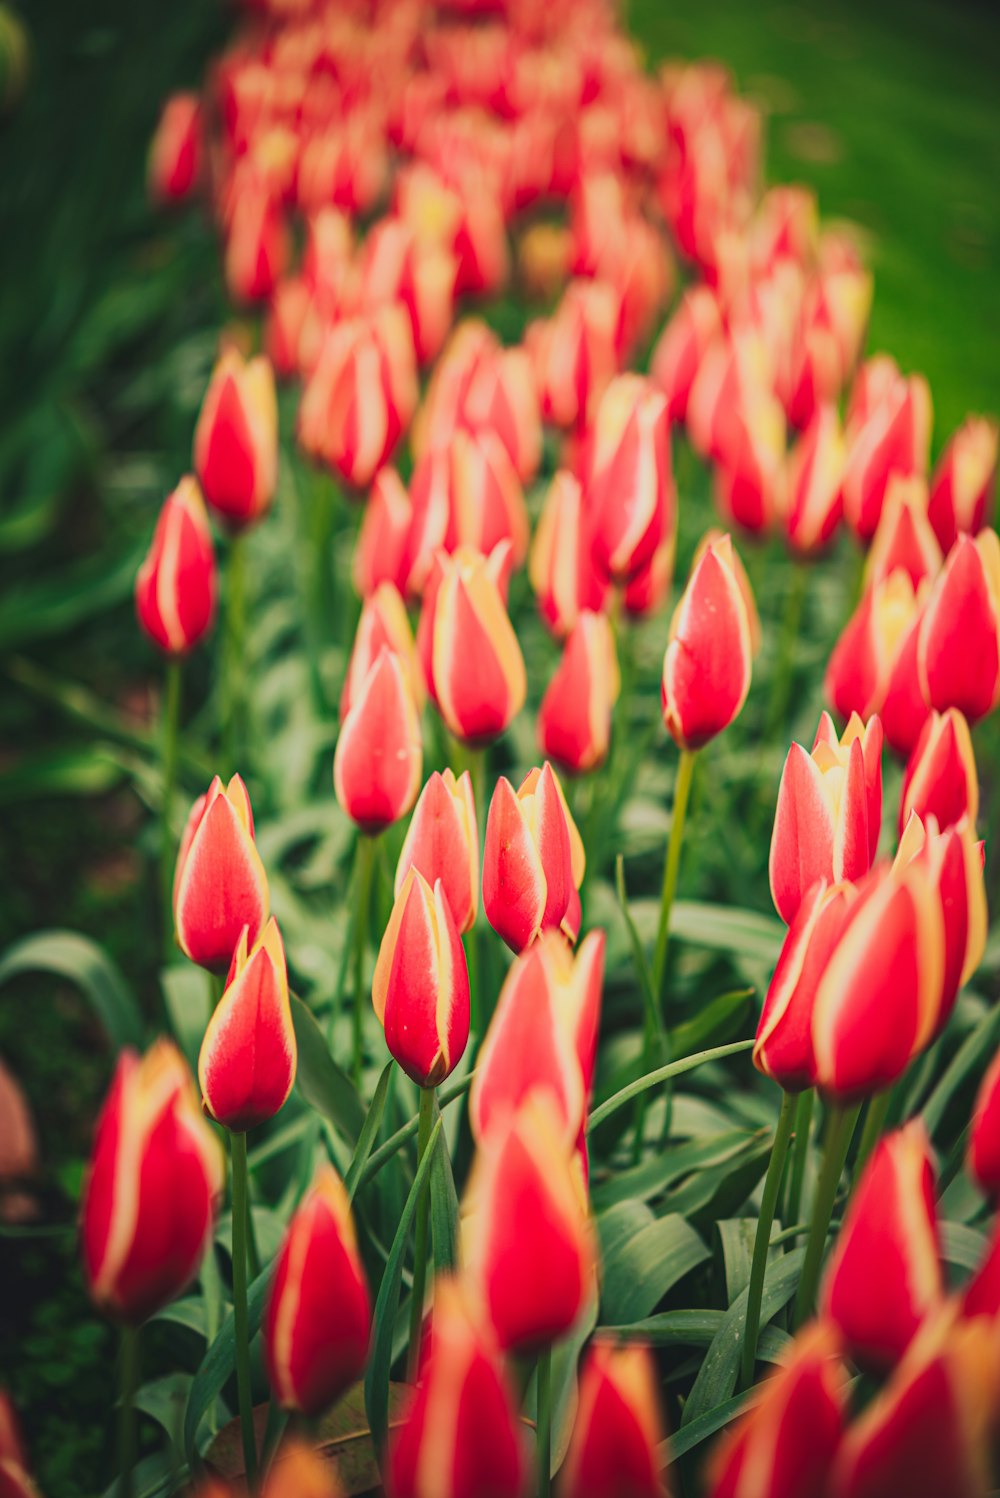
(370, 166)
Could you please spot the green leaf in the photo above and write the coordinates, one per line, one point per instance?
(323, 1084)
(644, 1267)
(41, 609)
(693, 1432)
(395, 1142)
(715, 1021)
(164, 1400)
(187, 994)
(218, 1364)
(662, 1074)
(369, 1132)
(444, 1209)
(78, 960)
(727, 929)
(737, 1236)
(981, 1043)
(68, 772)
(961, 1245)
(644, 1181)
(719, 1190)
(638, 951)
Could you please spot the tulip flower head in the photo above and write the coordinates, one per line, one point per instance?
(814, 504)
(383, 623)
(983, 1156)
(574, 719)
(941, 778)
(176, 155)
(958, 654)
(560, 566)
(378, 761)
(476, 676)
(220, 885)
(379, 555)
(175, 588)
(442, 842)
(678, 353)
(961, 496)
(706, 668)
(236, 440)
(528, 875)
(630, 497)
(904, 538)
(618, 1427)
(888, 432)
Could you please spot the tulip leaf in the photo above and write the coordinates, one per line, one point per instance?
(714, 1021)
(372, 1124)
(324, 1085)
(695, 1328)
(647, 1180)
(78, 960)
(395, 1142)
(644, 1266)
(218, 1364)
(444, 1209)
(979, 1044)
(693, 1432)
(662, 1074)
(387, 1302)
(961, 1245)
(187, 994)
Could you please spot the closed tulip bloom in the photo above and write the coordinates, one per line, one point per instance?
(613, 1451)
(529, 1245)
(477, 675)
(236, 440)
(574, 719)
(175, 157)
(904, 538)
(962, 486)
(829, 812)
(888, 432)
(941, 779)
(175, 586)
(378, 762)
(983, 1156)
(442, 843)
(384, 624)
(220, 885)
(155, 1179)
(317, 1321)
(959, 649)
(499, 396)
(573, 354)
(630, 498)
(560, 565)
(706, 668)
(421, 985)
(527, 859)
(249, 1054)
(287, 315)
(461, 1435)
(647, 592)
(952, 860)
(884, 1275)
(379, 556)
(257, 245)
(784, 1444)
(750, 474)
(677, 356)
(466, 494)
(400, 266)
(813, 498)
(12, 1446)
(873, 666)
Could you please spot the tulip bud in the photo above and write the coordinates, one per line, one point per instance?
(442, 843)
(829, 812)
(529, 1244)
(527, 859)
(645, 593)
(750, 473)
(378, 762)
(952, 861)
(888, 431)
(630, 497)
(286, 318)
(317, 1321)
(383, 624)
(465, 495)
(248, 1056)
(560, 565)
(574, 719)
(380, 553)
(618, 1426)
(884, 1275)
(706, 668)
(680, 349)
(573, 354)
(220, 885)
(500, 397)
(961, 488)
(815, 470)
(783, 1446)
(400, 266)
(257, 240)
(236, 440)
(959, 650)
(903, 537)
(175, 157)
(941, 779)
(460, 1436)
(873, 666)
(983, 1157)
(176, 584)
(477, 675)
(156, 1175)
(421, 985)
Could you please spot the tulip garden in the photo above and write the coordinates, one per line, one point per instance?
(551, 1046)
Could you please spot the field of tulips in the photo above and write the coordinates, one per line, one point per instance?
(527, 1023)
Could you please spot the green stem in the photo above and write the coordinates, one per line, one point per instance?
(238, 1148)
(126, 1417)
(543, 1409)
(782, 681)
(871, 1133)
(421, 1235)
(682, 790)
(800, 1154)
(762, 1241)
(169, 744)
(364, 867)
(840, 1131)
(233, 671)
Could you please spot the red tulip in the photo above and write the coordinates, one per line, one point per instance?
(479, 386)
(317, 1321)
(816, 466)
(888, 432)
(941, 778)
(378, 761)
(952, 861)
(220, 885)
(618, 1429)
(574, 719)
(155, 1179)
(706, 668)
(645, 593)
(176, 585)
(561, 566)
(678, 354)
(248, 1056)
(904, 538)
(236, 440)
(383, 624)
(344, 163)
(828, 335)
(257, 239)
(465, 495)
(981, 1296)
(527, 858)
(296, 1471)
(401, 267)
(983, 1157)
(961, 487)
(379, 556)
(959, 650)
(442, 843)
(873, 666)
(750, 473)
(630, 497)
(12, 1446)
(573, 354)
(175, 157)
(287, 316)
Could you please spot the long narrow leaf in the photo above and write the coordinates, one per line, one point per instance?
(372, 1124)
(662, 1074)
(80, 961)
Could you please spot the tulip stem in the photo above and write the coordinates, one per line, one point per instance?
(126, 1416)
(871, 1133)
(233, 670)
(840, 1131)
(800, 1154)
(682, 790)
(169, 745)
(365, 864)
(543, 1411)
(421, 1225)
(238, 1150)
(762, 1241)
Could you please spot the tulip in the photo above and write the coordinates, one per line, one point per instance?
(981, 1296)
(618, 1428)
(297, 1471)
(706, 668)
(574, 719)
(679, 351)
(904, 538)
(175, 586)
(421, 985)
(401, 267)
(476, 674)
(286, 319)
(317, 1321)
(783, 1446)
(257, 240)
(645, 593)
(442, 843)
(828, 335)
(750, 474)
(983, 1157)
(816, 466)
(236, 440)
(379, 556)
(465, 495)
(460, 1436)
(962, 484)
(873, 666)
(888, 432)
(527, 859)
(829, 812)
(573, 354)
(12, 1446)
(378, 761)
(560, 565)
(175, 157)
(958, 654)
(529, 1245)
(499, 396)
(155, 1178)
(941, 778)
(884, 1275)
(220, 885)
(248, 1056)
(630, 498)
(383, 624)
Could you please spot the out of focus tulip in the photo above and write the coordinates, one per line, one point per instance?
(175, 157)
(176, 585)
(873, 666)
(257, 241)
(442, 843)
(630, 497)
(884, 1274)
(618, 1429)
(378, 761)
(461, 1435)
(962, 485)
(983, 1156)
(287, 316)
(952, 860)
(297, 1470)
(706, 668)
(574, 719)
(317, 1321)
(249, 1054)
(465, 494)
(829, 812)
(677, 356)
(888, 431)
(220, 885)
(750, 473)
(401, 267)
(903, 538)
(645, 593)
(527, 858)
(476, 675)
(236, 440)
(981, 1296)
(380, 553)
(959, 650)
(12, 1446)
(561, 566)
(155, 1178)
(813, 499)
(384, 624)
(573, 354)
(941, 779)
(421, 985)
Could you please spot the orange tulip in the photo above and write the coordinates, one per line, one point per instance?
(618, 1430)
